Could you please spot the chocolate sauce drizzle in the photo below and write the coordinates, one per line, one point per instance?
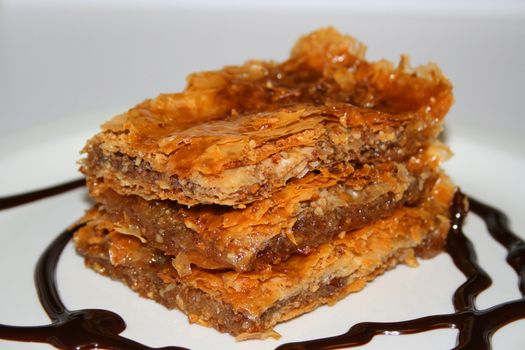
(93, 328)
(77, 329)
(24, 198)
(475, 327)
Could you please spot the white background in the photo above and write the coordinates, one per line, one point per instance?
(60, 59)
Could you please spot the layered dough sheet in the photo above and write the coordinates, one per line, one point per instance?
(307, 212)
(239, 134)
(249, 304)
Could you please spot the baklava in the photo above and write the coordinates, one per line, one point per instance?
(265, 190)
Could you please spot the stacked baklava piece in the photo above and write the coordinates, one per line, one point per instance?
(265, 190)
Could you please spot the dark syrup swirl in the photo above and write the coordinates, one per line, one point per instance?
(92, 328)
(69, 329)
(475, 327)
(19, 199)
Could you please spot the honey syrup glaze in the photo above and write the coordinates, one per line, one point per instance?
(93, 328)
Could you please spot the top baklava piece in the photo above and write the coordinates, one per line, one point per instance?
(237, 135)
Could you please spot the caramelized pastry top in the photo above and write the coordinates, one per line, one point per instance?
(237, 134)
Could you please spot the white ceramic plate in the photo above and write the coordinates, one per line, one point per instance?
(46, 155)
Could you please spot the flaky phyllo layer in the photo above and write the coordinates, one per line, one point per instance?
(249, 304)
(239, 134)
(305, 213)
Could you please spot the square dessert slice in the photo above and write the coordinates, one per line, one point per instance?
(295, 219)
(249, 304)
(239, 134)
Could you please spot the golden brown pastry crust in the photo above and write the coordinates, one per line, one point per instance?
(265, 190)
(238, 134)
(307, 212)
(251, 303)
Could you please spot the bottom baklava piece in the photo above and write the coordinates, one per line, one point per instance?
(248, 304)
